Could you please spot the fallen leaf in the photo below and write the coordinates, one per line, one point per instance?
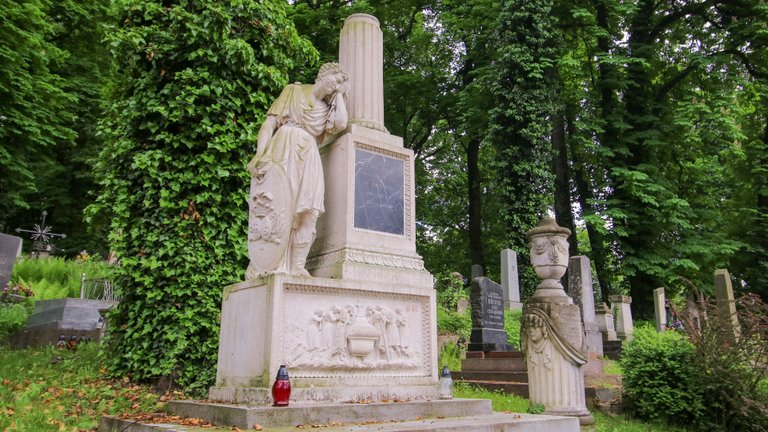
(258, 427)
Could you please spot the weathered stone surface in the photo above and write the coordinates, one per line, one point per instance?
(726, 304)
(10, 249)
(581, 290)
(660, 310)
(620, 306)
(509, 280)
(52, 318)
(604, 320)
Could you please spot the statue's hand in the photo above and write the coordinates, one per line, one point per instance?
(258, 167)
(343, 88)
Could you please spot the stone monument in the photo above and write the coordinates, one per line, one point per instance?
(581, 291)
(10, 249)
(488, 333)
(604, 319)
(552, 334)
(625, 330)
(660, 310)
(726, 305)
(510, 280)
(363, 326)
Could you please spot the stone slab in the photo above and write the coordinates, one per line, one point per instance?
(245, 417)
(495, 422)
(493, 364)
(10, 249)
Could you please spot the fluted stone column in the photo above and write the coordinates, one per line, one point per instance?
(361, 51)
(553, 334)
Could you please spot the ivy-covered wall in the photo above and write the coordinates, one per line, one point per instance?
(194, 81)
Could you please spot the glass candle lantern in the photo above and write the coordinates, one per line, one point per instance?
(446, 384)
(281, 389)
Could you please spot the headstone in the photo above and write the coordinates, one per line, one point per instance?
(623, 313)
(581, 290)
(510, 280)
(660, 309)
(726, 305)
(488, 334)
(368, 308)
(693, 313)
(462, 305)
(552, 334)
(10, 249)
(604, 320)
(476, 271)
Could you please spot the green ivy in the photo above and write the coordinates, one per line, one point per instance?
(195, 79)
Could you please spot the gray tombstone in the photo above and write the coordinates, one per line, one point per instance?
(604, 319)
(509, 280)
(581, 290)
(10, 249)
(660, 309)
(488, 332)
(726, 305)
(622, 312)
(477, 271)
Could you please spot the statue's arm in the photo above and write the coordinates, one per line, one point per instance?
(339, 112)
(266, 131)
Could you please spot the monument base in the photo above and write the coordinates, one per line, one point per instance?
(340, 340)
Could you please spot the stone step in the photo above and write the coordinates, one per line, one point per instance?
(517, 388)
(494, 422)
(491, 376)
(494, 364)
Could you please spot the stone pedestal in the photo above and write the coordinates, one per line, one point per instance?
(552, 334)
(340, 340)
(604, 320)
(620, 306)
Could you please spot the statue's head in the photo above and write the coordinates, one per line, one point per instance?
(332, 72)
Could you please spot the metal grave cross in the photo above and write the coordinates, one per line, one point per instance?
(42, 236)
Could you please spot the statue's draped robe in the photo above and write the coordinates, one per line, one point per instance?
(301, 124)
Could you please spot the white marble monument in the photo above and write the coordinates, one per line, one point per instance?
(510, 280)
(552, 334)
(363, 326)
(660, 310)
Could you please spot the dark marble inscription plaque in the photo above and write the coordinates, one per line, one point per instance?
(9, 249)
(379, 193)
(488, 332)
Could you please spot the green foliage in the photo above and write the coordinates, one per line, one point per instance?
(54, 278)
(512, 324)
(450, 289)
(660, 377)
(450, 356)
(500, 401)
(51, 390)
(195, 80)
(13, 316)
(450, 322)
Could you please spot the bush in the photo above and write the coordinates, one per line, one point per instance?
(449, 322)
(53, 278)
(13, 316)
(661, 380)
(512, 326)
(450, 289)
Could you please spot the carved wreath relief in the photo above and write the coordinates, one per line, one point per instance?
(352, 337)
(549, 250)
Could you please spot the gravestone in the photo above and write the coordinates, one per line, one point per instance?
(726, 305)
(660, 310)
(581, 290)
(68, 317)
(509, 280)
(620, 306)
(692, 310)
(488, 334)
(604, 320)
(10, 249)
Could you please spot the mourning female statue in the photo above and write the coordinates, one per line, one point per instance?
(287, 184)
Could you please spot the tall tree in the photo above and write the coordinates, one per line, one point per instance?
(195, 80)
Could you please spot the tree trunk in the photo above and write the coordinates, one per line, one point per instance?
(475, 203)
(563, 214)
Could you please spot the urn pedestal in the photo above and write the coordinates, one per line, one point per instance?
(552, 335)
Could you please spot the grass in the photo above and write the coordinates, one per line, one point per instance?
(501, 401)
(54, 390)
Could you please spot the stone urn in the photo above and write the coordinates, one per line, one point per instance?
(549, 256)
(361, 337)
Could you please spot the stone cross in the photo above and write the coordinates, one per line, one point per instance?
(660, 309)
(509, 280)
(581, 290)
(726, 305)
(625, 330)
